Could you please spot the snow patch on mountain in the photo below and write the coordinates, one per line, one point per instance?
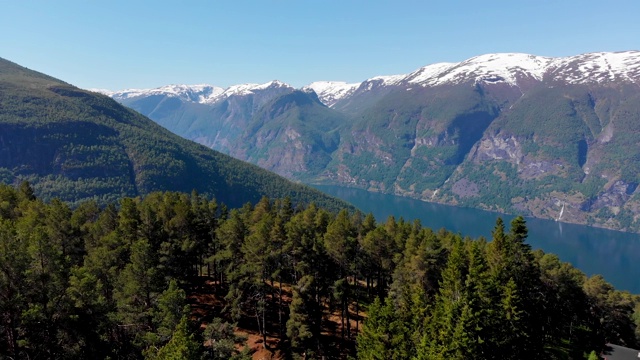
(386, 80)
(512, 68)
(246, 89)
(494, 68)
(597, 68)
(202, 93)
(329, 92)
(428, 73)
(192, 93)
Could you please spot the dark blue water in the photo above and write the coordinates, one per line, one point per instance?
(613, 254)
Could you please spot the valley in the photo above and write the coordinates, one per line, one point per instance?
(513, 133)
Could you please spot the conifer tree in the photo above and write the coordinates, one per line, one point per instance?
(231, 234)
(182, 346)
(375, 340)
(13, 287)
(378, 247)
(441, 335)
(300, 325)
(517, 279)
(171, 307)
(250, 283)
(340, 243)
(136, 291)
(277, 263)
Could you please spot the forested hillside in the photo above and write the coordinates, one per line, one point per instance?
(77, 145)
(178, 276)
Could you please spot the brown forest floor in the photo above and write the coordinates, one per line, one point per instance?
(207, 301)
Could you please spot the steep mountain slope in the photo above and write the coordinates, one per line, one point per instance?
(551, 137)
(209, 115)
(294, 135)
(554, 138)
(76, 145)
(273, 125)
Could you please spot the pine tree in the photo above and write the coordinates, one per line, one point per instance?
(182, 346)
(378, 248)
(516, 276)
(231, 234)
(136, 291)
(250, 283)
(340, 243)
(374, 341)
(473, 331)
(26, 191)
(450, 302)
(277, 263)
(171, 306)
(46, 313)
(299, 324)
(14, 263)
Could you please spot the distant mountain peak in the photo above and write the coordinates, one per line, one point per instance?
(247, 89)
(193, 93)
(329, 92)
(200, 93)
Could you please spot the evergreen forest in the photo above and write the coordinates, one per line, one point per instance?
(182, 276)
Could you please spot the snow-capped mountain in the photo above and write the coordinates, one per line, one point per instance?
(507, 68)
(511, 68)
(247, 89)
(503, 68)
(202, 94)
(194, 93)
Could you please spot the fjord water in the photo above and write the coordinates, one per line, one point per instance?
(613, 254)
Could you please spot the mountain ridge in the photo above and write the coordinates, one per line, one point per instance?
(493, 67)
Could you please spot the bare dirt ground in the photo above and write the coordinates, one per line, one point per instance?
(207, 302)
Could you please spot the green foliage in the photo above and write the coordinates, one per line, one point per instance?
(493, 298)
(182, 346)
(90, 147)
(298, 330)
(116, 283)
(375, 341)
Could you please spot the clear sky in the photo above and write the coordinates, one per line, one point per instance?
(143, 44)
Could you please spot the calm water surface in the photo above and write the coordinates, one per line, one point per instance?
(615, 255)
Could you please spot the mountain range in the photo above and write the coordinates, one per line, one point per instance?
(553, 138)
(77, 145)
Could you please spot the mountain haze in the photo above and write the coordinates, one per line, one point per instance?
(77, 145)
(550, 137)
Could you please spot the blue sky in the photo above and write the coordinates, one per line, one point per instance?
(142, 44)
